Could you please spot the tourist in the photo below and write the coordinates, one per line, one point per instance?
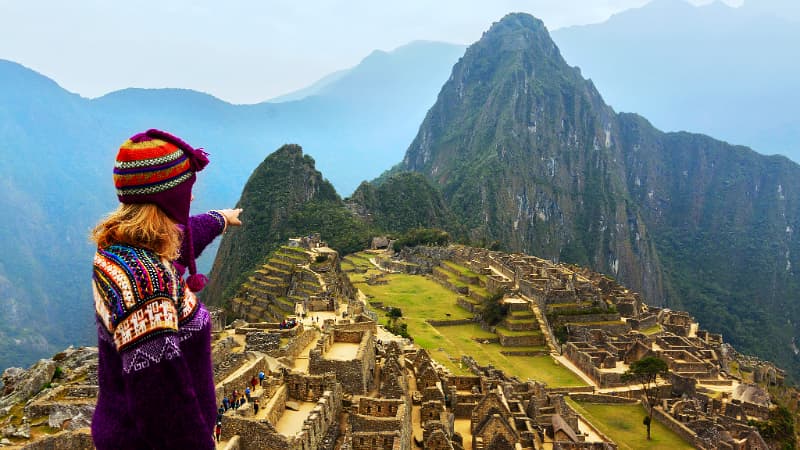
(154, 336)
(225, 402)
(254, 382)
(261, 376)
(218, 430)
(247, 393)
(255, 406)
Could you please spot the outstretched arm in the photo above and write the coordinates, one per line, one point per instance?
(206, 227)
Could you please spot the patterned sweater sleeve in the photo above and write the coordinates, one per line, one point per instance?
(205, 228)
(136, 307)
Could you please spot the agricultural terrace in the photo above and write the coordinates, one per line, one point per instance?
(420, 298)
(623, 424)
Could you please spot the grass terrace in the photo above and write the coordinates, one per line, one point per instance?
(623, 424)
(506, 332)
(652, 330)
(463, 270)
(420, 299)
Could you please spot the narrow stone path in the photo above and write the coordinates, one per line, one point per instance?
(416, 415)
(301, 362)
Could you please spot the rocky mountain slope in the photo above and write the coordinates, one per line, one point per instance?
(527, 153)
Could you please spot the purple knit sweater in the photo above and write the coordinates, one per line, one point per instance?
(154, 338)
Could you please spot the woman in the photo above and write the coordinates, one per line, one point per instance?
(154, 336)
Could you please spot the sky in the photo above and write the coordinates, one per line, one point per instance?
(246, 51)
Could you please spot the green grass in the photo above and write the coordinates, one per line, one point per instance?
(506, 332)
(359, 260)
(518, 320)
(418, 297)
(480, 291)
(623, 424)
(600, 323)
(652, 330)
(460, 269)
(421, 298)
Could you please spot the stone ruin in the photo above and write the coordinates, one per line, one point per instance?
(334, 384)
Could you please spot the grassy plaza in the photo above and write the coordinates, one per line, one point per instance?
(623, 424)
(420, 299)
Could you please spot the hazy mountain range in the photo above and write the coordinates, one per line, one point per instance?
(58, 149)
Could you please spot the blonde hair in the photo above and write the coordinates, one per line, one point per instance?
(140, 225)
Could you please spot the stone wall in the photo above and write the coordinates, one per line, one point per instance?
(525, 353)
(296, 345)
(643, 323)
(222, 349)
(584, 446)
(678, 428)
(581, 357)
(402, 266)
(469, 306)
(379, 440)
(464, 410)
(355, 375)
(218, 319)
(363, 325)
(583, 330)
(522, 341)
(65, 440)
(276, 405)
(260, 341)
(602, 399)
(379, 407)
(498, 284)
(379, 431)
(257, 435)
(310, 387)
(449, 323)
(464, 383)
(348, 336)
(228, 365)
(244, 374)
(584, 318)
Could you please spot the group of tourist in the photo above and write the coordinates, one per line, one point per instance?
(238, 399)
(288, 324)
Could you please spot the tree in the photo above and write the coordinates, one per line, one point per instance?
(646, 372)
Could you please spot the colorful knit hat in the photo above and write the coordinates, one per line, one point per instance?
(157, 167)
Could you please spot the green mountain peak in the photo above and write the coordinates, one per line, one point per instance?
(527, 153)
